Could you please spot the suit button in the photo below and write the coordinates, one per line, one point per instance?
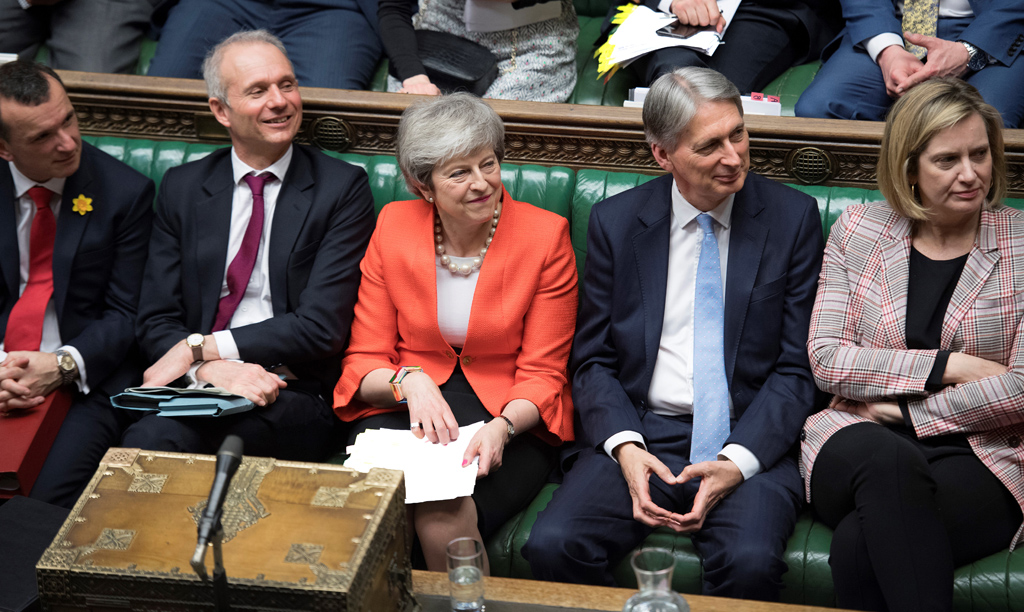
(449, 354)
(467, 360)
(803, 436)
(1013, 441)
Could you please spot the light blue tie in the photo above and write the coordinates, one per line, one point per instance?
(710, 389)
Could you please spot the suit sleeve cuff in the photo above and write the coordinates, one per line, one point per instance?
(226, 344)
(744, 459)
(876, 44)
(621, 438)
(83, 382)
(934, 382)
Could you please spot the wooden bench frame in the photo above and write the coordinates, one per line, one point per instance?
(788, 149)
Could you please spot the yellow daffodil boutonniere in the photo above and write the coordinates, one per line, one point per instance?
(82, 204)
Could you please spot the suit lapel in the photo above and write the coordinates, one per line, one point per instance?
(70, 227)
(10, 258)
(980, 263)
(484, 313)
(293, 203)
(650, 247)
(747, 238)
(213, 228)
(895, 251)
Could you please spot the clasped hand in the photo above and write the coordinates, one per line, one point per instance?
(717, 480)
(26, 378)
(885, 413)
(696, 13)
(902, 70)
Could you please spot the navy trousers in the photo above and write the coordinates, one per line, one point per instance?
(851, 86)
(332, 43)
(588, 527)
(91, 426)
(299, 426)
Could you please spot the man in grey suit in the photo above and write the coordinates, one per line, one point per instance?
(88, 35)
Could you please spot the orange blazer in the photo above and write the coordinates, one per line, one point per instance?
(520, 325)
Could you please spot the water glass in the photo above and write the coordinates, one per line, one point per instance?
(466, 574)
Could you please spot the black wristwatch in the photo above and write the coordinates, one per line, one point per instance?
(978, 58)
(509, 428)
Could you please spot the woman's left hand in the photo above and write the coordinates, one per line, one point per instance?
(488, 444)
(885, 413)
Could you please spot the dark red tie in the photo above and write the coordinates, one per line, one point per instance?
(25, 323)
(241, 266)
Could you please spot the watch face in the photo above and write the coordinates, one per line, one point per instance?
(194, 340)
(66, 362)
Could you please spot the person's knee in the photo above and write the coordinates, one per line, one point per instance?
(747, 570)
(547, 549)
(813, 103)
(156, 434)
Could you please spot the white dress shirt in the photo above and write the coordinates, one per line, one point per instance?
(947, 8)
(455, 301)
(671, 391)
(24, 214)
(256, 304)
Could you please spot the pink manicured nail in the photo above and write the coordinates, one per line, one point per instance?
(465, 463)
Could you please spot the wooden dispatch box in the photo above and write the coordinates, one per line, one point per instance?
(298, 536)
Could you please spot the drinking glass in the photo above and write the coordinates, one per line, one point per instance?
(653, 568)
(466, 574)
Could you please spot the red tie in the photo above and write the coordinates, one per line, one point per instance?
(25, 324)
(241, 266)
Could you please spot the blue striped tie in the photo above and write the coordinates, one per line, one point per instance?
(710, 389)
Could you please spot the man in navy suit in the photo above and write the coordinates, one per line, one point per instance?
(869, 64)
(690, 402)
(80, 331)
(334, 43)
(254, 267)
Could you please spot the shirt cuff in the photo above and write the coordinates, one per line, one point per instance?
(191, 379)
(226, 344)
(744, 459)
(876, 44)
(24, 4)
(620, 438)
(665, 6)
(82, 383)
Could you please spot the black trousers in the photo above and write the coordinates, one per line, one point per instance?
(761, 43)
(905, 514)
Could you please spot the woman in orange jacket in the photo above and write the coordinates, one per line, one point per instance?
(466, 312)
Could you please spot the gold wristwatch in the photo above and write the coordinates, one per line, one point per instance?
(66, 366)
(196, 342)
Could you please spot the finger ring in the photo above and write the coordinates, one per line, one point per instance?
(416, 426)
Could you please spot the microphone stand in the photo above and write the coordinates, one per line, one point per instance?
(220, 577)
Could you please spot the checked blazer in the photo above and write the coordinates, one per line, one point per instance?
(857, 341)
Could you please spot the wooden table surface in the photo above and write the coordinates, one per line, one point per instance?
(574, 596)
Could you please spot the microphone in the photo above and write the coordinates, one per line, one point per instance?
(228, 458)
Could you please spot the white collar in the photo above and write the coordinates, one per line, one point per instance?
(22, 183)
(279, 168)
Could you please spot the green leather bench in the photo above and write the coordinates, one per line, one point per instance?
(589, 89)
(995, 583)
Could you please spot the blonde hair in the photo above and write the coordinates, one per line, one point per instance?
(914, 119)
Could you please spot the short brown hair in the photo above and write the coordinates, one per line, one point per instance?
(927, 109)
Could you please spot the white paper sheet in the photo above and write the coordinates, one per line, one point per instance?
(433, 472)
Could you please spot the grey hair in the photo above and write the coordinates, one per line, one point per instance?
(215, 87)
(433, 132)
(675, 97)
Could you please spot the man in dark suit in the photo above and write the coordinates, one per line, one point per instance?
(870, 63)
(254, 267)
(78, 221)
(690, 403)
(763, 40)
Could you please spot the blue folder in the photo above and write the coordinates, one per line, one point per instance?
(173, 402)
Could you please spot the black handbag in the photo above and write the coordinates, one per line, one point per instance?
(454, 63)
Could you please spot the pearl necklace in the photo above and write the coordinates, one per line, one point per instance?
(464, 269)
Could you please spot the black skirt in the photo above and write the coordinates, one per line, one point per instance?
(525, 464)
